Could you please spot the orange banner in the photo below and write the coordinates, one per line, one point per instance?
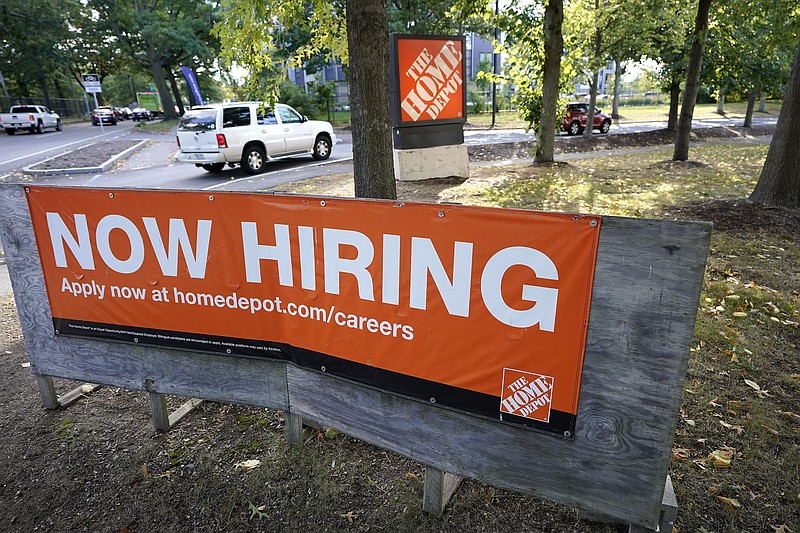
(478, 309)
(430, 78)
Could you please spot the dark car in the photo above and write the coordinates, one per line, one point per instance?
(117, 112)
(141, 113)
(104, 115)
(574, 120)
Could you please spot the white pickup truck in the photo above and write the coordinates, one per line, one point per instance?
(34, 118)
(249, 134)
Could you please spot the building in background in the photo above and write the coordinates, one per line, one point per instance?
(478, 53)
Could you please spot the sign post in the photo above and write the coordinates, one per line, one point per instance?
(91, 83)
(428, 106)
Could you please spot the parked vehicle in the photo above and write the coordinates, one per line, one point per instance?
(33, 118)
(105, 115)
(117, 112)
(126, 111)
(574, 121)
(141, 113)
(249, 134)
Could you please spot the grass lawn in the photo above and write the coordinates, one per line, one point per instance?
(160, 126)
(736, 454)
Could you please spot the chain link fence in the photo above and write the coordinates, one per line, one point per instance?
(65, 107)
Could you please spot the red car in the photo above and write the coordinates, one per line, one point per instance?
(574, 121)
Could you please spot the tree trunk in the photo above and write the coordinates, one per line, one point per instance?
(594, 82)
(157, 70)
(721, 102)
(751, 105)
(587, 133)
(174, 84)
(368, 45)
(674, 103)
(43, 84)
(617, 81)
(779, 183)
(553, 48)
(762, 103)
(692, 81)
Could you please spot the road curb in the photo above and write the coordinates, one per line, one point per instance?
(81, 170)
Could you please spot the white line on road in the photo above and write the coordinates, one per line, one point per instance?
(54, 148)
(262, 175)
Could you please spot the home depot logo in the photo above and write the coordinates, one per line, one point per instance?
(431, 82)
(526, 394)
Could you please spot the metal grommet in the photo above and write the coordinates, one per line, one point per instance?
(111, 195)
(27, 189)
(441, 214)
(322, 203)
(322, 368)
(593, 223)
(568, 434)
(433, 400)
(135, 339)
(228, 350)
(211, 197)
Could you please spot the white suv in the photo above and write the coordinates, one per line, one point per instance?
(249, 134)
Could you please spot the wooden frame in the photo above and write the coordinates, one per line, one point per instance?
(647, 283)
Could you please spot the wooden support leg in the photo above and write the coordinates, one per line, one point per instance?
(439, 488)
(77, 393)
(162, 419)
(669, 511)
(293, 429)
(47, 392)
(159, 412)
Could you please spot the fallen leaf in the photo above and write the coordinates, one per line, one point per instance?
(739, 314)
(248, 465)
(689, 422)
(730, 503)
(769, 429)
(348, 515)
(783, 528)
(794, 376)
(680, 453)
(721, 458)
(713, 490)
(752, 384)
(411, 475)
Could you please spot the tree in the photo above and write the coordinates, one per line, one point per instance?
(32, 38)
(158, 35)
(741, 25)
(699, 35)
(779, 183)
(247, 32)
(553, 49)
(368, 44)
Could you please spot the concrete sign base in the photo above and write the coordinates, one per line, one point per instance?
(434, 162)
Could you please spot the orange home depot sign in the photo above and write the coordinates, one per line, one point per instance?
(429, 78)
(482, 310)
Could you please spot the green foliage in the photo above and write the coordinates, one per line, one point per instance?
(305, 104)
(737, 28)
(422, 17)
(251, 32)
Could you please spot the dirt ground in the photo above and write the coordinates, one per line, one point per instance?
(99, 465)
